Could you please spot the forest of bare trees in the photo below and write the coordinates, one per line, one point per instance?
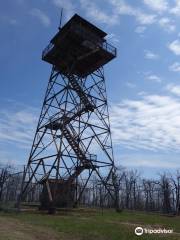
(132, 191)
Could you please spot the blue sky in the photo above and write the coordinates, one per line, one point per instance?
(143, 82)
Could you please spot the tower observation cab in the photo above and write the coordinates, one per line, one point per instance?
(79, 42)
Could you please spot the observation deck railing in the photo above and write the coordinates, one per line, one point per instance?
(98, 43)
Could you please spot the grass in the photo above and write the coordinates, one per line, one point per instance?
(87, 224)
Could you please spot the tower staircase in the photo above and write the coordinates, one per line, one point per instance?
(64, 124)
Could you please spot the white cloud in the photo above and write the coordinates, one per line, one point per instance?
(44, 19)
(149, 161)
(10, 21)
(13, 22)
(17, 126)
(142, 93)
(140, 29)
(90, 9)
(119, 8)
(122, 8)
(167, 24)
(174, 89)
(144, 18)
(152, 123)
(154, 78)
(175, 47)
(175, 67)
(150, 55)
(157, 5)
(97, 14)
(130, 85)
(9, 158)
(176, 10)
(112, 38)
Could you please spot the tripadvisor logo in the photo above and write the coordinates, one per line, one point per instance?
(139, 231)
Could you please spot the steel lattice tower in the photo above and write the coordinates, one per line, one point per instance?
(73, 138)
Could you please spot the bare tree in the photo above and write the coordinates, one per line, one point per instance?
(166, 192)
(176, 192)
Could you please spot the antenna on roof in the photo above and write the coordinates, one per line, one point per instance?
(60, 22)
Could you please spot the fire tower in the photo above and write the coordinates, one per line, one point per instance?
(73, 139)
